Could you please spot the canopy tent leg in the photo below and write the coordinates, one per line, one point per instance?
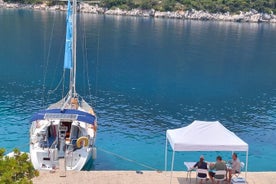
(246, 164)
(166, 154)
(172, 166)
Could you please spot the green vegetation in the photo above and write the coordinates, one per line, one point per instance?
(16, 169)
(212, 6)
(25, 1)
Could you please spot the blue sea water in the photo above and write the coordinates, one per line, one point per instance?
(144, 76)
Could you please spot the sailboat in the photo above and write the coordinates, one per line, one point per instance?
(64, 134)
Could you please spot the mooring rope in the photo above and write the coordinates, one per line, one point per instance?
(127, 159)
(110, 153)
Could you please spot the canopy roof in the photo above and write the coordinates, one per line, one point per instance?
(66, 114)
(205, 136)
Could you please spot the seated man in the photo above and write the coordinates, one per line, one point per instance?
(219, 165)
(201, 165)
(236, 166)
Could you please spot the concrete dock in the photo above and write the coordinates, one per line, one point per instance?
(132, 177)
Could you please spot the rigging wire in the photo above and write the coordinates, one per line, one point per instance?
(62, 79)
(47, 62)
(85, 63)
(85, 57)
(86, 79)
(97, 65)
(63, 84)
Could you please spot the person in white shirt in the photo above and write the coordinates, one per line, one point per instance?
(236, 166)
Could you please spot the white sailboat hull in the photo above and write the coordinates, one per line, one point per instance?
(74, 161)
(68, 135)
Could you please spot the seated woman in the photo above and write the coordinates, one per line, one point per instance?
(218, 166)
(201, 165)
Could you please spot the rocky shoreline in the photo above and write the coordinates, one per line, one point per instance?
(251, 16)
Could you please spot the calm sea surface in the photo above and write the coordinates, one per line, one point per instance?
(144, 76)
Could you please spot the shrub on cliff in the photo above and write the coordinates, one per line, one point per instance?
(168, 5)
(113, 3)
(25, 1)
(233, 6)
(16, 169)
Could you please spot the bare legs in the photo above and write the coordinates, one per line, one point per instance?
(211, 176)
(229, 175)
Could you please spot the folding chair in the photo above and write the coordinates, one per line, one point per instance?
(238, 173)
(201, 172)
(220, 176)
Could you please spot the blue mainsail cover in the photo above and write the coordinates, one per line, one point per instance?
(66, 114)
(68, 42)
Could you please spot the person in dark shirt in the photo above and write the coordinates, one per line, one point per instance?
(201, 165)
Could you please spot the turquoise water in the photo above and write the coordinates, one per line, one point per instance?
(145, 76)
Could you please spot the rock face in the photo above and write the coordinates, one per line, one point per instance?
(86, 8)
(251, 16)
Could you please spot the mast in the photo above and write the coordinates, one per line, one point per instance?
(70, 55)
(74, 51)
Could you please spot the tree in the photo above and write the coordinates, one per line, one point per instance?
(112, 3)
(17, 169)
(168, 5)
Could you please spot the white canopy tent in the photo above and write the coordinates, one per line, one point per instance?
(203, 136)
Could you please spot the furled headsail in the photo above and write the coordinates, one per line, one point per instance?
(69, 39)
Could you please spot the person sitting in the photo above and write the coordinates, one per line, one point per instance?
(236, 166)
(201, 165)
(218, 166)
